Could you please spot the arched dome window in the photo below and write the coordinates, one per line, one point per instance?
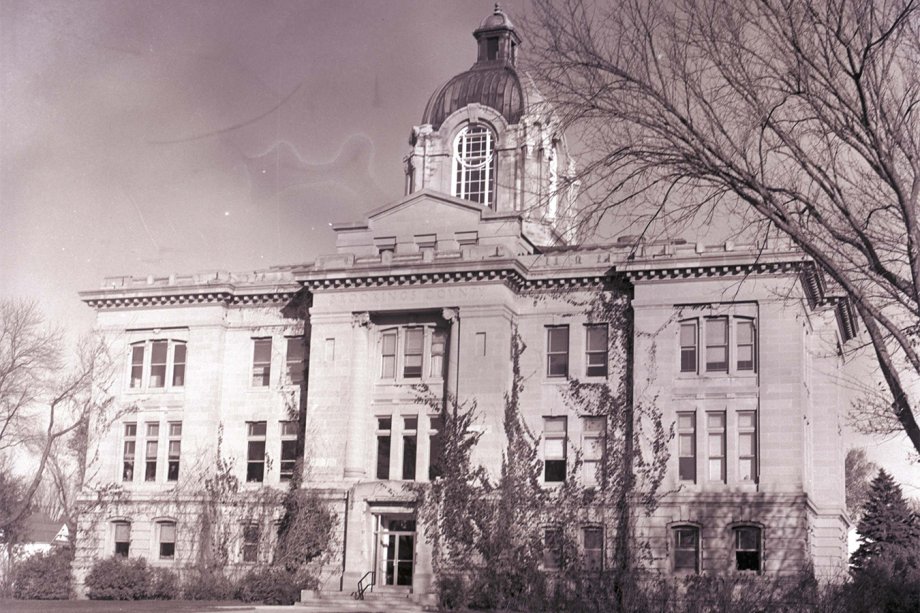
(474, 165)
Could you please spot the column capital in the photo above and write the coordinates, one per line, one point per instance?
(451, 315)
(361, 319)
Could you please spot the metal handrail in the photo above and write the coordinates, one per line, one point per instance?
(359, 593)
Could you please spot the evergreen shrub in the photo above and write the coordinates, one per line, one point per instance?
(44, 576)
(119, 578)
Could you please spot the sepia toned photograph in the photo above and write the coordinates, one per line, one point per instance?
(438, 305)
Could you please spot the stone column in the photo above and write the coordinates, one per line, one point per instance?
(355, 437)
(452, 316)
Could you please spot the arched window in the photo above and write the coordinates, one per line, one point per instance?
(474, 165)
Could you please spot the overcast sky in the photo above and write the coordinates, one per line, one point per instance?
(152, 137)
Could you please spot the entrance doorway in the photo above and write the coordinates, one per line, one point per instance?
(395, 552)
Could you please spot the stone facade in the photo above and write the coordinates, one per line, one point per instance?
(737, 348)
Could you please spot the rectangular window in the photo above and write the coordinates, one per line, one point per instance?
(747, 445)
(410, 444)
(557, 351)
(412, 356)
(294, 360)
(436, 447)
(178, 377)
(388, 352)
(251, 536)
(747, 548)
(438, 350)
(384, 425)
(158, 363)
(261, 362)
(594, 548)
(153, 448)
(686, 446)
(137, 366)
(686, 549)
(255, 452)
(715, 433)
(288, 449)
(596, 351)
(127, 470)
(717, 344)
(175, 448)
(554, 449)
(688, 347)
(744, 345)
(122, 538)
(593, 444)
(167, 540)
(552, 548)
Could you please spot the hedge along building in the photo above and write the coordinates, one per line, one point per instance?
(233, 376)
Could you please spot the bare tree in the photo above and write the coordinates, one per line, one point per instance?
(43, 399)
(798, 118)
(860, 471)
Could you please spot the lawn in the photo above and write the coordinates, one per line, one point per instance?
(122, 606)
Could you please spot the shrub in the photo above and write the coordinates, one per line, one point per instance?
(44, 576)
(118, 578)
(163, 584)
(207, 584)
(269, 586)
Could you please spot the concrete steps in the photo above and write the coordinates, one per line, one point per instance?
(335, 602)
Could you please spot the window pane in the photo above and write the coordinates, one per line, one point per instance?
(383, 457)
(414, 339)
(256, 451)
(122, 532)
(554, 471)
(178, 378)
(595, 424)
(409, 455)
(158, 364)
(746, 444)
(388, 371)
(748, 538)
(289, 428)
(262, 350)
(389, 344)
(151, 450)
(256, 428)
(746, 469)
(167, 533)
(554, 424)
(687, 469)
(137, 365)
(745, 332)
(558, 365)
(717, 331)
(688, 335)
(746, 419)
(175, 429)
(594, 538)
(597, 338)
(130, 429)
(288, 450)
(559, 339)
(716, 470)
(688, 360)
(685, 420)
(174, 449)
(685, 445)
(716, 358)
(555, 448)
(716, 445)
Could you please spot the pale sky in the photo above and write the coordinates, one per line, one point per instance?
(152, 137)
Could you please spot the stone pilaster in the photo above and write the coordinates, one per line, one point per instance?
(355, 441)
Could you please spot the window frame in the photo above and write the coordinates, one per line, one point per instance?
(553, 553)
(298, 364)
(589, 564)
(687, 432)
(560, 462)
(383, 461)
(552, 352)
(720, 431)
(694, 325)
(174, 438)
(171, 365)
(710, 345)
(151, 461)
(696, 550)
(249, 549)
(734, 317)
(593, 473)
(392, 355)
(461, 170)
(255, 438)
(287, 466)
(257, 367)
(737, 531)
(604, 353)
(126, 440)
(160, 526)
(752, 431)
(116, 524)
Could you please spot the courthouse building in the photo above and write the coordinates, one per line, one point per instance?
(738, 348)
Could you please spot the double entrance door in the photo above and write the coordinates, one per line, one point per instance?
(395, 552)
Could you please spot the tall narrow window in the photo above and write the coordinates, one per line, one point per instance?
(153, 448)
(686, 446)
(288, 449)
(688, 347)
(747, 548)
(384, 426)
(744, 343)
(596, 352)
(178, 372)
(747, 445)
(261, 362)
(255, 452)
(474, 165)
(552, 548)
(251, 535)
(436, 447)
(158, 351)
(717, 344)
(715, 432)
(554, 449)
(122, 538)
(388, 357)
(412, 364)
(294, 360)
(127, 470)
(410, 444)
(557, 351)
(686, 549)
(594, 548)
(438, 348)
(167, 540)
(593, 444)
(137, 365)
(174, 451)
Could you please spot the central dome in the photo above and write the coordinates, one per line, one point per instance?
(492, 81)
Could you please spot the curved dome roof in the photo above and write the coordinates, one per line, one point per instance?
(498, 87)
